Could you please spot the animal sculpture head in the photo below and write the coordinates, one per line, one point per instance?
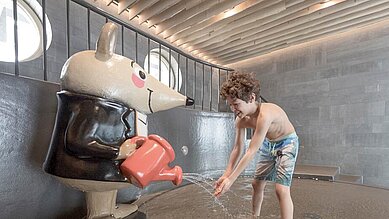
(107, 75)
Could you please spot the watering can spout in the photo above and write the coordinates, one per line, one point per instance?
(172, 174)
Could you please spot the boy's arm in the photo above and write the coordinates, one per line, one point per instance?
(255, 143)
(237, 149)
(235, 153)
(261, 129)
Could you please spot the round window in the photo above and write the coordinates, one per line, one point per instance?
(162, 69)
(30, 30)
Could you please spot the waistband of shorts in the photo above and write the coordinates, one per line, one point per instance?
(291, 135)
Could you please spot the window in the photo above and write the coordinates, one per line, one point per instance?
(30, 30)
(175, 72)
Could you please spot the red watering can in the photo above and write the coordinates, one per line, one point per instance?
(150, 162)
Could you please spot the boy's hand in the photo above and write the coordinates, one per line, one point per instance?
(223, 187)
(219, 182)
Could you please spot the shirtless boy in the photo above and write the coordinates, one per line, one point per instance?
(274, 139)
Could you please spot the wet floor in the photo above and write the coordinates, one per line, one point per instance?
(312, 199)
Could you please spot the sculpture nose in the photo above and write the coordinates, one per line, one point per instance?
(189, 101)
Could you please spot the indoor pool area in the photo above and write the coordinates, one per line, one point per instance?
(186, 109)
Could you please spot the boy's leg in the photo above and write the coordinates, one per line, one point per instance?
(258, 189)
(285, 200)
(264, 169)
(285, 164)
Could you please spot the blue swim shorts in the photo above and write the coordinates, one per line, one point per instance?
(277, 160)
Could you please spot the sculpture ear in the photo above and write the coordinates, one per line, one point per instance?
(106, 44)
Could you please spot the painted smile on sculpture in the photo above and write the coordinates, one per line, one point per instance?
(150, 92)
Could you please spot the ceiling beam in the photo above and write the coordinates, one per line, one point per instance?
(138, 7)
(290, 3)
(124, 4)
(181, 5)
(155, 9)
(108, 2)
(205, 15)
(184, 15)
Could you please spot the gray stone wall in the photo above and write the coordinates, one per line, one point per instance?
(335, 91)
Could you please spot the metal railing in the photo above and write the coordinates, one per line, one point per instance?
(198, 72)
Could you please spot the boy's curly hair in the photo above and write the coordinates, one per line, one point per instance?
(240, 85)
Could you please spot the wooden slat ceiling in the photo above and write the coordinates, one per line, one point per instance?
(228, 31)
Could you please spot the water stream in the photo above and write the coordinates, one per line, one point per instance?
(207, 183)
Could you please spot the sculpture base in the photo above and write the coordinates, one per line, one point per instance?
(101, 198)
(103, 205)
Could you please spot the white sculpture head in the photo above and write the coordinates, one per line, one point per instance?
(107, 75)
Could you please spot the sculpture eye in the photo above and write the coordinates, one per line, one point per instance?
(142, 75)
(139, 78)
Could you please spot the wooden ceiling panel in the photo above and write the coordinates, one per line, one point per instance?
(328, 16)
(184, 15)
(155, 9)
(227, 31)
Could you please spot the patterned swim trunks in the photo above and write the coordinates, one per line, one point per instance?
(277, 160)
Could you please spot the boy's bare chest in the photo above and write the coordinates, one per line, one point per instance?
(250, 122)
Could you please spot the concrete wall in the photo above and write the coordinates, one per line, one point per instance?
(208, 136)
(335, 91)
(27, 113)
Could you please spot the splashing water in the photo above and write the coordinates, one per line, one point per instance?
(202, 180)
(196, 180)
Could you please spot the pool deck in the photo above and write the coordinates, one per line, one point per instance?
(316, 199)
(318, 192)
